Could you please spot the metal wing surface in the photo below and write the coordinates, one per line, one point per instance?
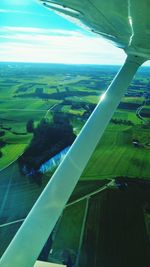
(126, 23)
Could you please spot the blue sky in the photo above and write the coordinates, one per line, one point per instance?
(31, 33)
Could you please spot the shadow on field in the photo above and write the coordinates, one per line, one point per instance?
(115, 233)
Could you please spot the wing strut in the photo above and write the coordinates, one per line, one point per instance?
(31, 237)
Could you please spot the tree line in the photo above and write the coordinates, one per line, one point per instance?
(49, 138)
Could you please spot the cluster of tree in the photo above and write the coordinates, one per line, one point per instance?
(127, 105)
(49, 138)
(6, 128)
(83, 105)
(67, 89)
(2, 144)
(145, 112)
(39, 91)
(18, 133)
(21, 89)
(124, 122)
(30, 126)
(58, 95)
(141, 135)
(2, 133)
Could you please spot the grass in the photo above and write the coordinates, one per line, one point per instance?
(115, 233)
(6, 236)
(86, 187)
(147, 223)
(142, 134)
(67, 232)
(91, 99)
(127, 115)
(115, 155)
(15, 112)
(11, 153)
(137, 100)
(120, 156)
(18, 194)
(16, 120)
(68, 229)
(69, 110)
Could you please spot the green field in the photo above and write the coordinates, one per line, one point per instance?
(115, 219)
(115, 230)
(68, 239)
(124, 159)
(30, 92)
(18, 194)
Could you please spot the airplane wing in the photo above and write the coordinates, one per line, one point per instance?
(123, 22)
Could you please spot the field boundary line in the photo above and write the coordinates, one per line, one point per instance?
(111, 183)
(47, 111)
(10, 223)
(70, 204)
(7, 190)
(82, 231)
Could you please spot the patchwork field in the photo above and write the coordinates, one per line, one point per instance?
(115, 233)
(34, 91)
(108, 228)
(18, 194)
(116, 155)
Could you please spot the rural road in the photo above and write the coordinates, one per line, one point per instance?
(111, 183)
(50, 110)
(82, 231)
(10, 223)
(139, 110)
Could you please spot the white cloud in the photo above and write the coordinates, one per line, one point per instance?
(21, 12)
(33, 30)
(4, 10)
(56, 46)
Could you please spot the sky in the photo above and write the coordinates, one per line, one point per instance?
(31, 33)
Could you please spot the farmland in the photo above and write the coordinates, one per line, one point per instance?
(32, 92)
(110, 231)
(124, 159)
(18, 194)
(115, 231)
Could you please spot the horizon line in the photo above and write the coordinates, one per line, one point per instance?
(68, 64)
